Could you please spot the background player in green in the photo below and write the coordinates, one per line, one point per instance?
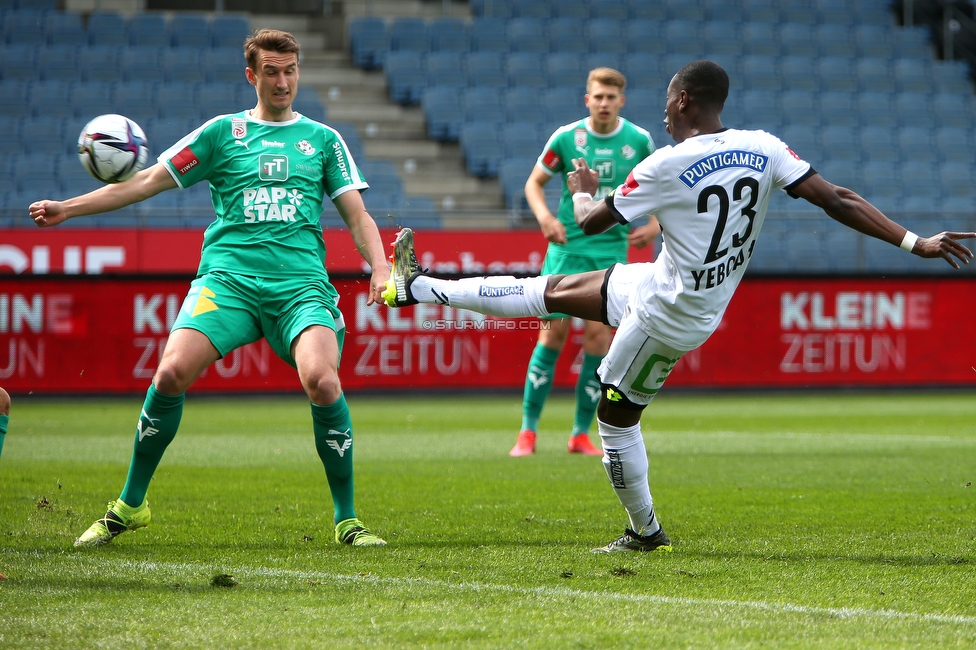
(612, 145)
(4, 415)
(262, 270)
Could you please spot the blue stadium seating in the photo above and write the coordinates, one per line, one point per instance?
(878, 145)
(142, 63)
(916, 144)
(760, 11)
(482, 148)
(449, 35)
(595, 60)
(442, 112)
(607, 35)
(228, 30)
(873, 40)
(797, 39)
(90, 98)
(563, 105)
(147, 30)
(485, 68)
(405, 76)
(572, 9)
(528, 35)
(531, 9)
(526, 69)
(482, 105)
(642, 36)
(14, 99)
(58, 63)
(913, 75)
(183, 64)
(409, 34)
(189, 30)
(23, 28)
(678, 10)
(223, 65)
(609, 10)
(43, 135)
(835, 40)
(800, 108)
(489, 35)
(722, 37)
(835, 74)
(512, 174)
(567, 35)
(65, 28)
(762, 72)
(47, 99)
(683, 37)
(522, 139)
(107, 28)
(837, 108)
(955, 144)
(368, 41)
(799, 73)
(18, 61)
(566, 69)
(445, 69)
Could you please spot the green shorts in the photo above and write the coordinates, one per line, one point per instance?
(568, 264)
(233, 310)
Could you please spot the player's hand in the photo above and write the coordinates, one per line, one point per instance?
(644, 235)
(553, 229)
(47, 213)
(377, 284)
(582, 178)
(945, 245)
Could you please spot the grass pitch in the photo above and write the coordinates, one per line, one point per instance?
(798, 521)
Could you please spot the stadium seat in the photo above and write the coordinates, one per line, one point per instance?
(913, 75)
(835, 40)
(951, 77)
(526, 69)
(220, 98)
(953, 109)
(449, 35)
(563, 105)
(482, 148)
(800, 108)
(72, 177)
(445, 69)
(175, 100)
(100, 63)
(23, 28)
(835, 74)
(36, 171)
(58, 63)
(913, 43)
(44, 135)
(91, 98)
(567, 35)
(229, 30)
(878, 145)
(594, 60)
(107, 28)
(876, 108)
(762, 107)
(523, 105)
(14, 99)
(643, 36)
(881, 178)
(418, 212)
(838, 109)
(368, 41)
(685, 10)
(442, 113)
(309, 104)
(350, 136)
(485, 68)
(405, 76)
(528, 35)
(18, 62)
(955, 144)
(565, 69)
(840, 142)
(189, 30)
(608, 35)
(489, 35)
(834, 12)
(800, 73)
(920, 180)
(182, 64)
(714, 9)
(722, 37)
(142, 63)
(644, 70)
(616, 10)
(875, 74)
(914, 109)
(409, 34)
(916, 144)
(874, 40)
(797, 39)
(223, 65)
(683, 37)
(512, 175)
(760, 72)
(531, 9)
(957, 180)
(482, 105)
(48, 99)
(381, 175)
(147, 29)
(522, 139)
(804, 141)
(573, 9)
(160, 211)
(136, 99)
(760, 11)
(64, 28)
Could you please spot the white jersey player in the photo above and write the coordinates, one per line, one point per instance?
(710, 193)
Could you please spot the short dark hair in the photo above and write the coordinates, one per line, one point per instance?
(269, 40)
(706, 81)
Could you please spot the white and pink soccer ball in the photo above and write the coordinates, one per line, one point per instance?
(112, 148)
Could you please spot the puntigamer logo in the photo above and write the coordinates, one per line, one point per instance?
(272, 167)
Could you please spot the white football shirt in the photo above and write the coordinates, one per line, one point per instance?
(710, 194)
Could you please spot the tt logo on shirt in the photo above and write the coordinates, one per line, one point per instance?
(272, 167)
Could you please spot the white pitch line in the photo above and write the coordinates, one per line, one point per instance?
(564, 592)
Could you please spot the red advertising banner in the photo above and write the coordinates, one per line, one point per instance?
(101, 335)
(73, 251)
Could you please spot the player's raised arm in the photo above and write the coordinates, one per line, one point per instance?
(593, 217)
(145, 184)
(850, 209)
(364, 232)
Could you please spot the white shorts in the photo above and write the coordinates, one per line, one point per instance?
(637, 365)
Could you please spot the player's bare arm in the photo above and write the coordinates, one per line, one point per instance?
(850, 209)
(643, 235)
(593, 217)
(145, 184)
(535, 196)
(367, 237)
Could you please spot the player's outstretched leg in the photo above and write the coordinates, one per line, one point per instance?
(501, 295)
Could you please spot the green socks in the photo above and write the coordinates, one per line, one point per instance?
(538, 381)
(587, 393)
(4, 419)
(157, 427)
(333, 441)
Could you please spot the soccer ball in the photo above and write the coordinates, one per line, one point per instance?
(112, 148)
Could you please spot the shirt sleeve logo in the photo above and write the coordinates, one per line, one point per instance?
(550, 159)
(629, 185)
(184, 161)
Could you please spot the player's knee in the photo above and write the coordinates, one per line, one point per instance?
(616, 410)
(4, 402)
(554, 333)
(168, 380)
(323, 388)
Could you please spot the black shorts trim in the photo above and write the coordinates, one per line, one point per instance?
(621, 401)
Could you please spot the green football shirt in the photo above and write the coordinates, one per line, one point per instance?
(267, 183)
(613, 156)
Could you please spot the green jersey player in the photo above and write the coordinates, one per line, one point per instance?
(613, 146)
(4, 415)
(262, 270)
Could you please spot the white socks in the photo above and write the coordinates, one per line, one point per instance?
(504, 296)
(625, 459)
